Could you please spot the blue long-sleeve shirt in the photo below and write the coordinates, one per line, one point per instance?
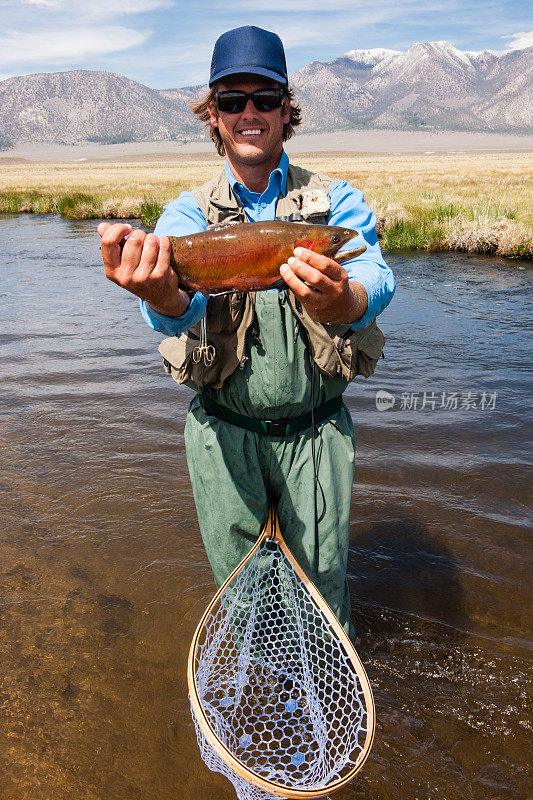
(347, 209)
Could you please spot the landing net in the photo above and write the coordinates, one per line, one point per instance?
(280, 700)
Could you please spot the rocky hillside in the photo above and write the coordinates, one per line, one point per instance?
(77, 106)
(431, 85)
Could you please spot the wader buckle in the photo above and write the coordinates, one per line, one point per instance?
(276, 427)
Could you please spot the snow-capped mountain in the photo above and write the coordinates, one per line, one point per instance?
(432, 85)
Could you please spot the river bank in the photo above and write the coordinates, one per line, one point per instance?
(434, 201)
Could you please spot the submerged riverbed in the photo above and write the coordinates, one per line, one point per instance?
(103, 576)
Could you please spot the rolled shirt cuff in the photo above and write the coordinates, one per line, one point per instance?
(379, 294)
(175, 326)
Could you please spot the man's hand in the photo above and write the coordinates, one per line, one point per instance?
(142, 267)
(323, 288)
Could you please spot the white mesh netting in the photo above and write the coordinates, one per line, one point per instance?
(275, 683)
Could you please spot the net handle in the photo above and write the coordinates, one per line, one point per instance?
(271, 530)
(271, 527)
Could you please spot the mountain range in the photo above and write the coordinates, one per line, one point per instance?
(431, 85)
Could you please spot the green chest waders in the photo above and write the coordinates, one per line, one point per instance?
(235, 471)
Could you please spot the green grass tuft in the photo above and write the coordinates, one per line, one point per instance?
(491, 209)
(151, 210)
(29, 202)
(445, 211)
(78, 205)
(519, 251)
(416, 234)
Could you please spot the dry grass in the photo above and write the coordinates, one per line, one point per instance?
(473, 202)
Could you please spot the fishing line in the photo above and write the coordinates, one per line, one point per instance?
(316, 479)
(315, 476)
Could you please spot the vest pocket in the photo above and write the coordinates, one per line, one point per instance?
(178, 362)
(360, 352)
(177, 357)
(228, 319)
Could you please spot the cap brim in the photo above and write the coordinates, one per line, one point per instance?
(265, 73)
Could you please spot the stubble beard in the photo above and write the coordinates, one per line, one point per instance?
(251, 158)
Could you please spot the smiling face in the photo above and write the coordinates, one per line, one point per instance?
(253, 138)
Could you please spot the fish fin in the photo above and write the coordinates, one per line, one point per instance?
(294, 217)
(341, 258)
(278, 284)
(217, 226)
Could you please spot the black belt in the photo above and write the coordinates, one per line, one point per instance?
(271, 427)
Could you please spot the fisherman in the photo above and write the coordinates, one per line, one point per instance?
(282, 358)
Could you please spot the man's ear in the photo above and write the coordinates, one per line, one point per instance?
(213, 116)
(286, 110)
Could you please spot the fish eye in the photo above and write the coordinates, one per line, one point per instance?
(335, 238)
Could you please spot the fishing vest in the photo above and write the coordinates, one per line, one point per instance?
(335, 348)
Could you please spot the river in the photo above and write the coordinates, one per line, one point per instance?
(103, 576)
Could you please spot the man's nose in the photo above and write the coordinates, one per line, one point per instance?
(250, 108)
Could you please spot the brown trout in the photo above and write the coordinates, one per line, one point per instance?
(246, 257)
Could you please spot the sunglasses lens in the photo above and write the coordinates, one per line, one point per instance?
(231, 102)
(267, 99)
(263, 100)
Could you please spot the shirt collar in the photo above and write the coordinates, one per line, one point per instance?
(278, 178)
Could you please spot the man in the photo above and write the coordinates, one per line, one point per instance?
(249, 438)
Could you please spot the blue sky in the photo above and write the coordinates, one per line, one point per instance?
(168, 43)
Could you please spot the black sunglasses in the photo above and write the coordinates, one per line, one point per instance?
(234, 102)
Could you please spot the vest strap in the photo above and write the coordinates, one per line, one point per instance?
(270, 427)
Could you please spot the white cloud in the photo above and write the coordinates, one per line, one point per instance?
(519, 41)
(308, 23)
(136, 6)
(96, 8)
(296, 35)
(50, 47)
(390, 9)
(309, 6)
(43, 3)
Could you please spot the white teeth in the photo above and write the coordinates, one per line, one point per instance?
(251, 132)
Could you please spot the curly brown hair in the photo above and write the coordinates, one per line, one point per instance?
(201, 109)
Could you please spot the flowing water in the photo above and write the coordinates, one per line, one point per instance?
(103, 576)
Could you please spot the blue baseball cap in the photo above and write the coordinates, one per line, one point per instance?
(249, 50)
